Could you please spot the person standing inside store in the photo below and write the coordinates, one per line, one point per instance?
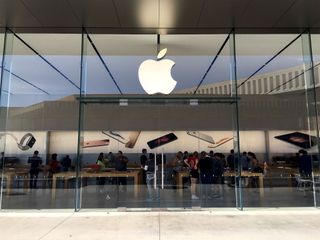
(192, 163)
(218, 169)
(185, 158)
(206, 173)
(305, 164)
(256, 168)
(244, 161)
(35, 164)
(102, 163)
(111, 159)
(2, 160)
(143, 160)
(54, 167)
(150, 168)
(66, 163)
(231, 160)
(121, 166)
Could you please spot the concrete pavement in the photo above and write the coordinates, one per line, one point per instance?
(215, 224)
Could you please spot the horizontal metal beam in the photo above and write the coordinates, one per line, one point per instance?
(157, 99)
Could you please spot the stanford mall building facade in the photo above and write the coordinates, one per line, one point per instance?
(80, 78)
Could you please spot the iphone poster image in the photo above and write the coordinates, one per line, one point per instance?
(220, 142)
(116, 136)
(95, 143)
(201, 136)
(133, 137)
(162, 140)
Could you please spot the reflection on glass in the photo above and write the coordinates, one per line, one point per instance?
(38, 82)
(316, 166)
(136, 152)
(279, 111)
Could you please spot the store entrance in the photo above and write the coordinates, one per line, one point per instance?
(145, 152)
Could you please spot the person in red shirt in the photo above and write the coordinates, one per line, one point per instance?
(54, 165)
(192, 163)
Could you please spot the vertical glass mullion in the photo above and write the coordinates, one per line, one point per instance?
(5, 92)
(235, 119)
(310, 92)
(83, 69)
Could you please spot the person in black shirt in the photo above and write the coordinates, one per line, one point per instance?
(206, 173)
(230, 160)
(143, 160)
(255, 169)
(111, 159)
(66, 163)
(305, 163)
(217, 167)
(35, 162)
(185, 158)
(121, 165)
(2, 160)
(206, 168)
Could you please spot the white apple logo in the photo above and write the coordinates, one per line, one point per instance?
(155, 76)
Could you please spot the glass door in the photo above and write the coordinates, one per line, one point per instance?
(193, 122)
(150, 152)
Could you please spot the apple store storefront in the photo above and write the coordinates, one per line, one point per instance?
(146, 121)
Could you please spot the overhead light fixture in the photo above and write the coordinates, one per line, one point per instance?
(194, 102)
(123, 102)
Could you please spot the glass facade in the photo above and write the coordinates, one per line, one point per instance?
(239, 129)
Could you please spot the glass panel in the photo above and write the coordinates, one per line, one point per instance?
(233, 164)
(144, 123)
(4, 102)
(1, 43)
(315, 39)
(275, 124)
(40, 78)
(40, 111)
(192, 55)
(119, 125)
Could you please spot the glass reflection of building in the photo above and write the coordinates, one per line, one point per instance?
(78, 94)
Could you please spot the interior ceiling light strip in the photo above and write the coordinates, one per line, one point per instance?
(102, 61)
(213, 61)
(44, 59)
(277, 54)
(27, 82)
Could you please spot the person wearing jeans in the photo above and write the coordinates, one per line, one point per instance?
(150, 168)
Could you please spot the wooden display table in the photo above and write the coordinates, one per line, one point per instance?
(135, 174)
(10, 173)
(183, 174)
